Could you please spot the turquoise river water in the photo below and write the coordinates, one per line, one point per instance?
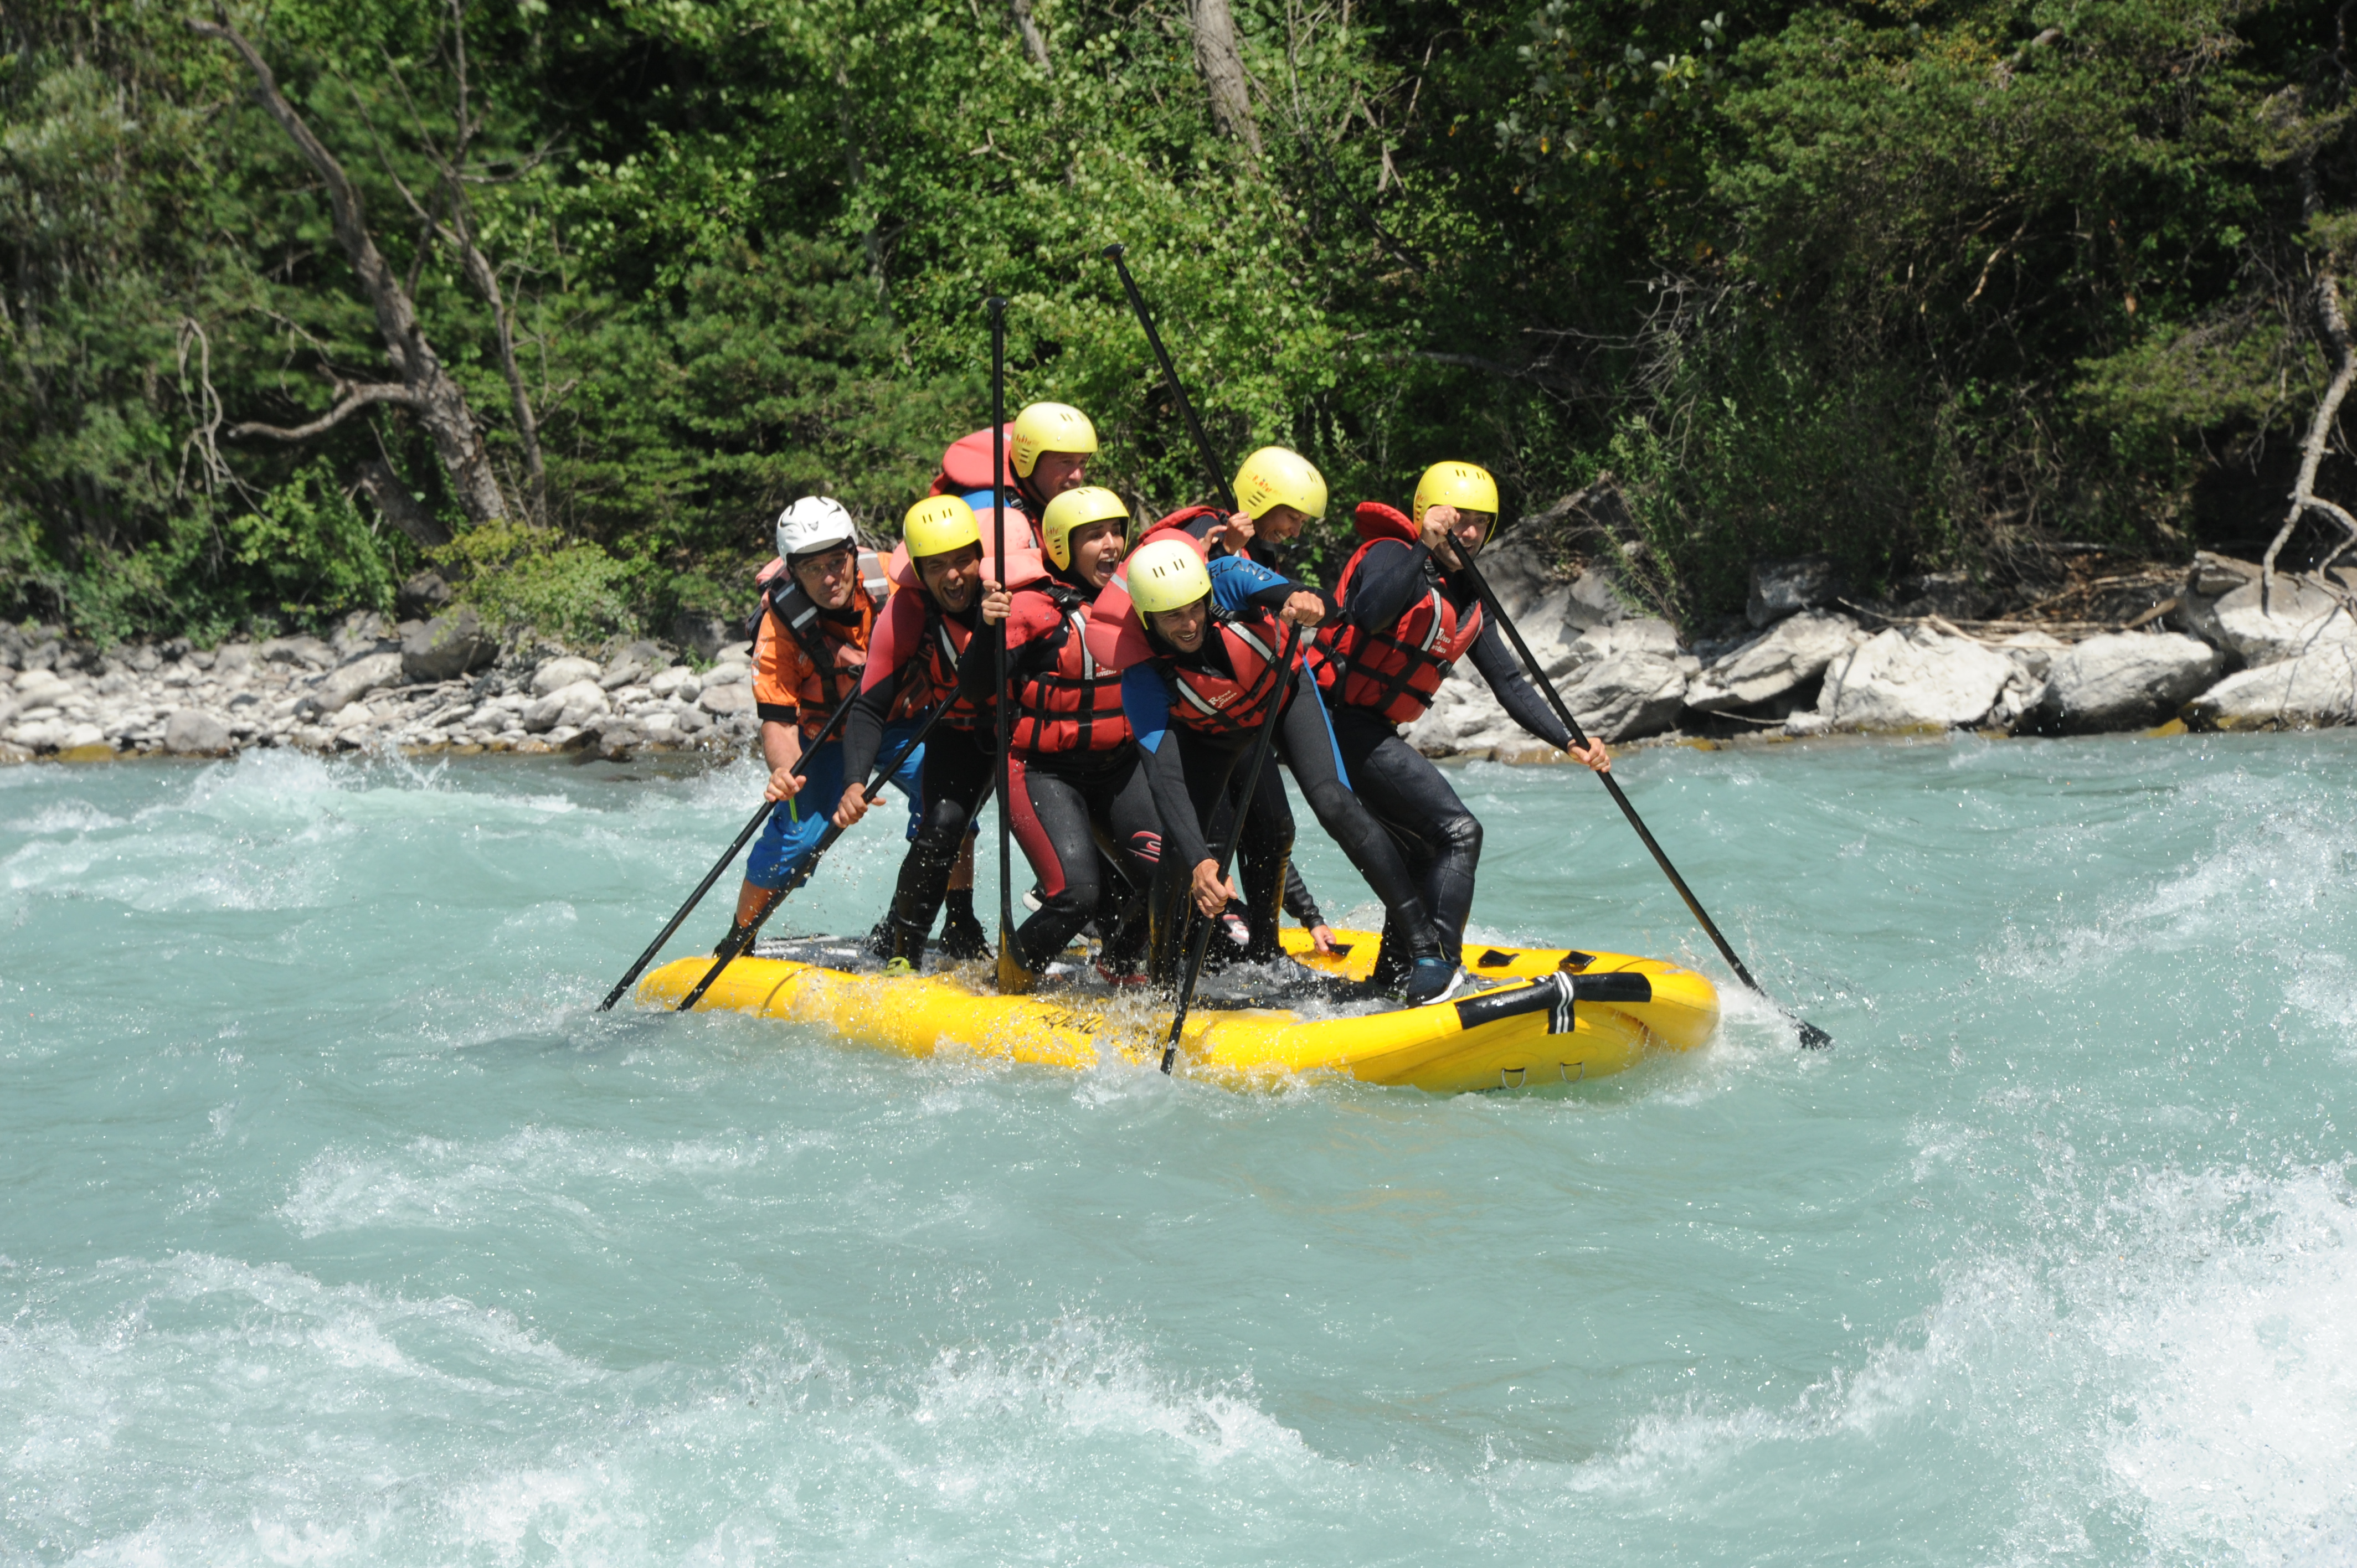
(337, 1227)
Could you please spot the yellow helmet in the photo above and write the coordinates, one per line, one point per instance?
(1077, 508)
(1050, 427)
(938, 524)
(1166, 575)
(1460, 485)
(1273, 476)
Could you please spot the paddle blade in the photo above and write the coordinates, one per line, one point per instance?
(1812, 1037)
(1014, 980)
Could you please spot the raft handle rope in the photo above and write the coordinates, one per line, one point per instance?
(761, 817)
(1812, 1036)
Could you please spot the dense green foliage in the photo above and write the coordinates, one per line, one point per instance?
(1920, 285)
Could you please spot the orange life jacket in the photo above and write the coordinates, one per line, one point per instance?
(1393, 671)
(1065, 700)
(825, 682)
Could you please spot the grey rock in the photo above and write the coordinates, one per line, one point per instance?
(192, 732)
(729, 697)
(360, 633)
(1779, 588)
(233, 659)
(423, 596)
(705, 634)
(447, 647)
(1913, 680)
(144, 658)
(370, 672)
(561, 673)
(678, 681)
(1625, 696)
(308, 652)
(37, 687)
(2315, 689)
(633, 663)
(566, 708)
(1794, 653)
(2126, 681)
(2298, 616)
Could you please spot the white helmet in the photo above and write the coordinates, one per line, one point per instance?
(813, 525)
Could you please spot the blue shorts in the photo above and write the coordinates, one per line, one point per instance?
(798, 824)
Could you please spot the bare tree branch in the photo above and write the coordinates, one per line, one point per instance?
(355, 398)
(439, 403)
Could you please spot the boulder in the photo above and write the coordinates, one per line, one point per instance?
(1912, 680)
(2316, 689)
(233, 659)
(191, 732)
(425, 596)
(727, 697)
(561, 673)
(569, 707)
(360, 633)
(1625, 695)
(2299, 616)
(1779, 588)
(447, 647)
(705, 634)
(633, 663)
(41, 688)
(678, 680)
(2125, 680)
(370, 672)
(304, 650)
(1792, 654)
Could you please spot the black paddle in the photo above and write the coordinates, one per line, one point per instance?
(1265, 741)
(1170, 374)
(1263, 744)
(1014, 980)
(713, 875)
(1812, 1036)
(743, 941)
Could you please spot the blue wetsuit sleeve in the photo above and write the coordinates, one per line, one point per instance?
(1146, 703)
(1237, 581)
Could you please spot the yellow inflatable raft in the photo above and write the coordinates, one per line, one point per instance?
(1536, 1015)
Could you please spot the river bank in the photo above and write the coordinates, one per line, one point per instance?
(2221, 652)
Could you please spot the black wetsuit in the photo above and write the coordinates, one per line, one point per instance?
(1441, 839)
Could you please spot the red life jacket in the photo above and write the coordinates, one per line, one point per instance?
(945, 643)
(1259, 651)
(1394, 671)
(1065, 700)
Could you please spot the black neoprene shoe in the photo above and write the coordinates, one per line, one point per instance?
(962, 937)
(735, 934)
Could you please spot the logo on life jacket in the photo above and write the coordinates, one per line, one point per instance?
(1213, 703)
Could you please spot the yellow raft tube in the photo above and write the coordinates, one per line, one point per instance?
(1558, 1017)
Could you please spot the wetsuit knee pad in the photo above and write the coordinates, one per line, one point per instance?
(1460, 833)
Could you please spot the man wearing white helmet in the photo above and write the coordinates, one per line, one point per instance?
(809, 645)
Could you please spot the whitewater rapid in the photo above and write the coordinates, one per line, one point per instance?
(338, 1229)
